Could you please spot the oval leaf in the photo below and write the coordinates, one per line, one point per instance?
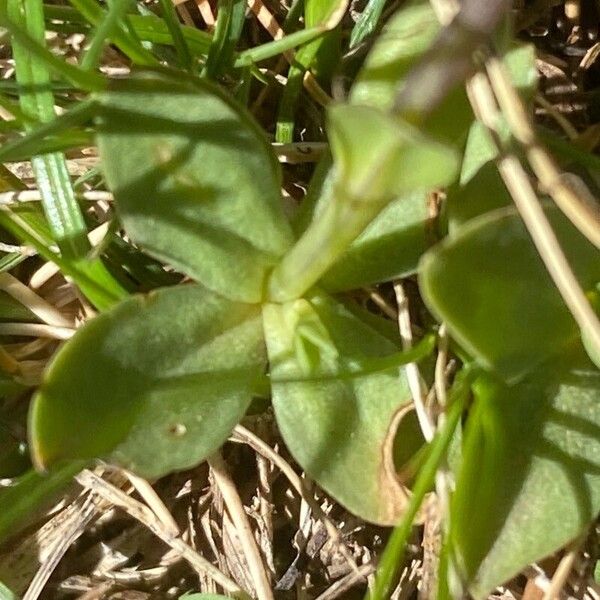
(156, 384)
(195, 180)
(530, 480)
(489, 284)
(378, 156)
(339, 428)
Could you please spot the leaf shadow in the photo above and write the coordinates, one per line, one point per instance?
(169, 191)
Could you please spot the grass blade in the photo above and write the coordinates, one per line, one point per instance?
(60, 206)
(95, 15)
(367, 22)
(104, 31)
(230, 21)
(58, 199)
(75, 75)
(175, 29)
(270, 49)
(315, 15)
(146, 27)
(21, 502)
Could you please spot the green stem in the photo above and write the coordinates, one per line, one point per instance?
(324, 241)
(393, 556)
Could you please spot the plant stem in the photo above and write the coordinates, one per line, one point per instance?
(326, 238)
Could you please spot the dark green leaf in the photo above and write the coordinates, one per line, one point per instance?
(489, 284)
(482, 193)
(195, 181)
(530, 480)
(14, 457)
(155, 385)
(12, 310)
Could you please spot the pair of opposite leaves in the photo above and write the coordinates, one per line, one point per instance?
(158, 382)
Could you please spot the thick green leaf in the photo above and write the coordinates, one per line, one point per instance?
(378, 156)
(195, 181)
(530, 480)
(155, 385)
(489, 284)
(339, 428)
(403, 42)
(390, 247)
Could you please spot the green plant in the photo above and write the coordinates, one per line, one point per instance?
(156, 382)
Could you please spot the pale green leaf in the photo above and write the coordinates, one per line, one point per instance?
(155, 385)
(530, 481)
(195, 181)
(378, 156)
(340, 428)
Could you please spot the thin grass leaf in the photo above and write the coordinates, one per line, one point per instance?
(294, 15)
(393, 556)
(25, 145)
(315, 13)
(61, 208)
(31, 492)
(94, 281)
(58, 199)
(105, 30)
(95, 15)
(146, 27)
(367, 22)
(176, 31)
(270, 49)
(67, 140)
(230, 20)
(11, 260)
(75, 75)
